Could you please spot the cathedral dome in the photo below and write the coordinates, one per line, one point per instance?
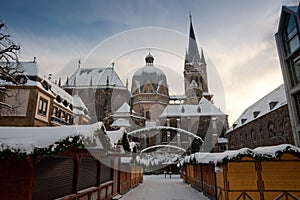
(148, 74)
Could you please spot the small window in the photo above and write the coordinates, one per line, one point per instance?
(272, 104)
(234, 125)
(148, 115)
(182, 109)
(256, 113)
(43, 106)
(199, 109)
(243, 121)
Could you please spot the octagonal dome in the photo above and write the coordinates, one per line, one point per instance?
(148, 74)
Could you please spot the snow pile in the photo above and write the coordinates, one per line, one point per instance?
(259, 153)
(158, 158)
(25, 141)
(125, 160)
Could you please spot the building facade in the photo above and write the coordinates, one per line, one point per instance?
(100, 89)
(194, 112)
(35, 102)
(265, 123)
(288, 46)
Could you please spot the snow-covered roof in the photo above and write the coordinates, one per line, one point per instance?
(78, 103)
(148, 73)
(95, 78)
(150, 124)
(121, 122)
(125, 160)
(56, 90)
(270, 152)
(27, 139)
(124, 108)
(204, 108)
(222, 141)
(115, 136)
(27, 68)
(269, 103)
(31, 71)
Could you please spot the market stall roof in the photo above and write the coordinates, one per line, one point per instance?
(26, 140)
(270, 152)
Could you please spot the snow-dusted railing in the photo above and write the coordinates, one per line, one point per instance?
(167, 128)
(259, 153)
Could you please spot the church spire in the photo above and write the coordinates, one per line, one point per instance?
(202, 57)
(193, 53)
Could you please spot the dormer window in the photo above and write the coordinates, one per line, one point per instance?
(234, 125)
(199, 109)
(182, 109)
(272, 104)
(255, 114)
(243, 121)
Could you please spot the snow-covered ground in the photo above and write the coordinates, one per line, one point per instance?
(159, 187)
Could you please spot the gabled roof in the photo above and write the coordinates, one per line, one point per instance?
(95, 78)
(124, 108)
(269, 103)
(121, 122)
(204, 108)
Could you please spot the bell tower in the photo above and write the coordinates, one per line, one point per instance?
(195, 72)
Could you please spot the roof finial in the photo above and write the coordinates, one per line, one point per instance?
(190, 16)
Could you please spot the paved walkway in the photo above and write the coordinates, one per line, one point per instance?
(158, 187)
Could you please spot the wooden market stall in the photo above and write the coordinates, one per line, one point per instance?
(57, 162)
(130, 175)
(262, 173)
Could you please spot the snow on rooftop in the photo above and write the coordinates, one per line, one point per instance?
(115, 136)
(204, 108)
(26, 139)
(222, 140)
(121, 122)
(95, 77)
(124, 108)
(78, 103)
(125, 160)
(270, 152)
(267, 104)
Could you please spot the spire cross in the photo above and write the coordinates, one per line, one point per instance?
(191, 16)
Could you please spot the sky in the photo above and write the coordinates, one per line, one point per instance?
(237, 38)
